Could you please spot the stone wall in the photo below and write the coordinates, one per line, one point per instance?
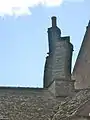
(58, 64)
(47, 72)
(62, 57)
(81, 72)
(62, 88)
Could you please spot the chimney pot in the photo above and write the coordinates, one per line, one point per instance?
(54, 23)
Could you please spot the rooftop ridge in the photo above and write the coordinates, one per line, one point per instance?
(30, 88)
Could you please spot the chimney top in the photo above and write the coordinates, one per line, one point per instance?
(89, 23)
(54, 22)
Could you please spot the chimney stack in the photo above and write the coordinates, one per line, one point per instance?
(54, 23)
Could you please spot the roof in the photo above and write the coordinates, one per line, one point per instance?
(26, 104)
(70, 107)
(38, 104)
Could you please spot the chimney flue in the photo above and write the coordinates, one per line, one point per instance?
(54, 23)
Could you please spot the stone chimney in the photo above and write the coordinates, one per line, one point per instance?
(54, 22)
(57, 72)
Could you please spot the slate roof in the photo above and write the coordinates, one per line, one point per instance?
(70, 106)
(26, 104)
(38, 104)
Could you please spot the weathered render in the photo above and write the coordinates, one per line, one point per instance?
(58, 99)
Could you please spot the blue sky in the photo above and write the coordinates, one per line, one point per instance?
(23, 36)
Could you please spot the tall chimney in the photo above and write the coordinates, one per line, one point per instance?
(54, 23)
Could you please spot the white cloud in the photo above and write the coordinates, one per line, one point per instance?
(75, 0)
(21, 7)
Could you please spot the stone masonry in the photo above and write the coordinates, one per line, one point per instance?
(57, 71)
(81, 71)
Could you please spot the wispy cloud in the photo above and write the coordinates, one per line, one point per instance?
(21, 7)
